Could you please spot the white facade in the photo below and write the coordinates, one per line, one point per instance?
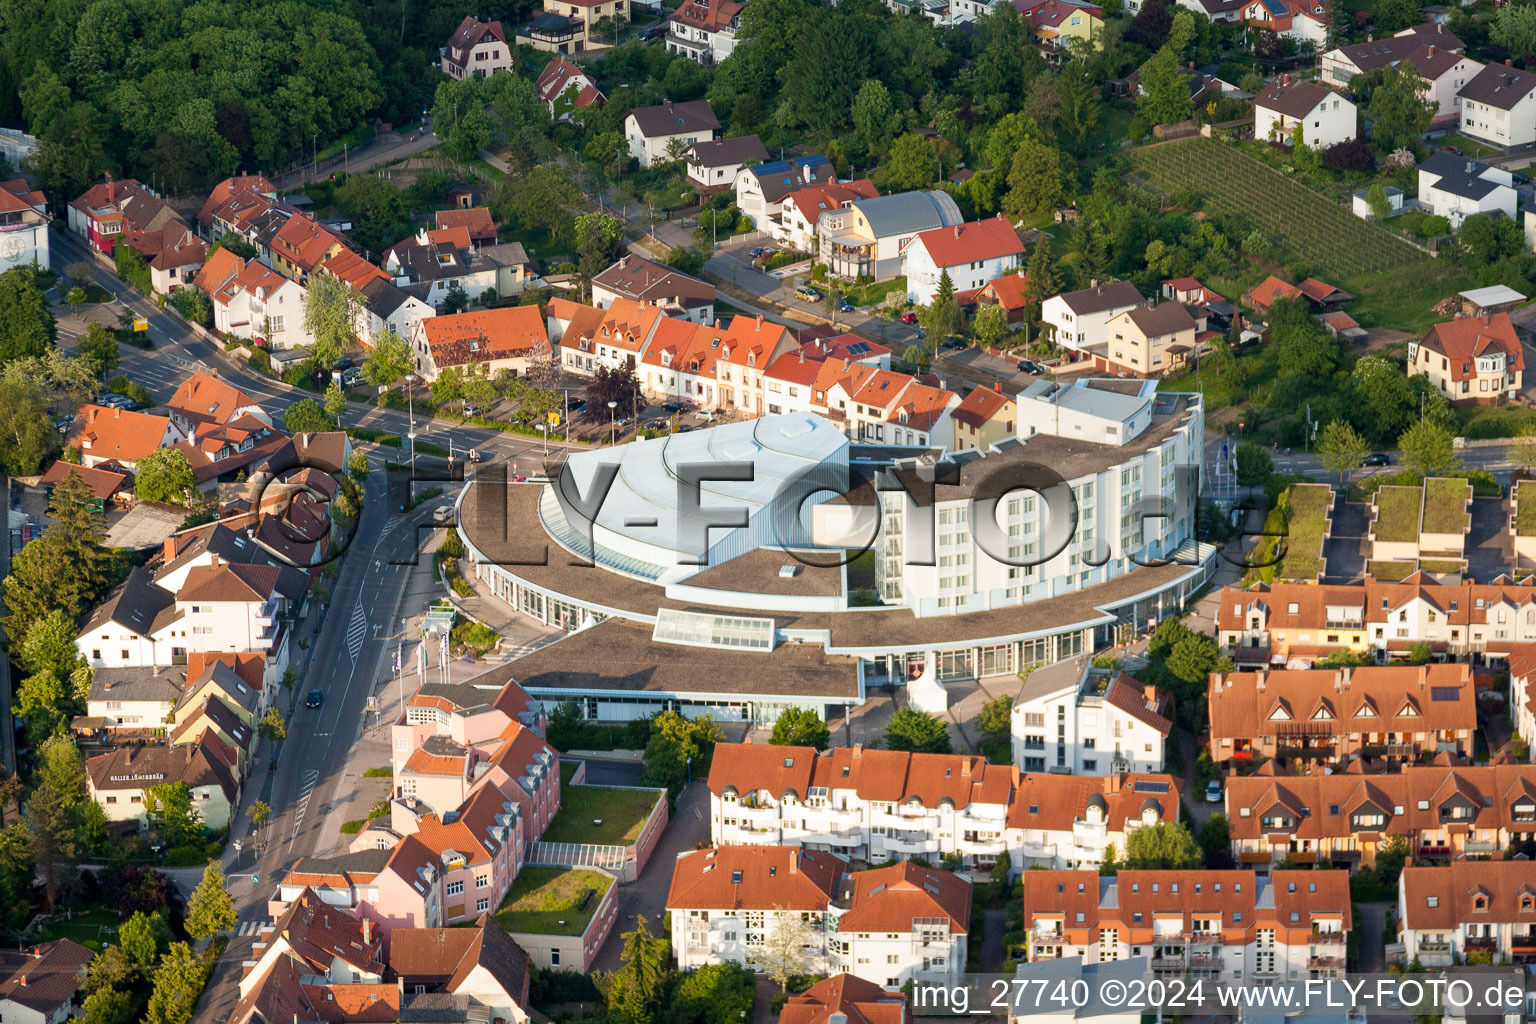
(653, 149)
(1331, 121)
(1515, 126)
(923, 273)
(403, 320)
(276, 315)
(1457, 207)
(1445, 91)
(1081, 330)
(1069, 725)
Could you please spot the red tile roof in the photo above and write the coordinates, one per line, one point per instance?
(813, 200)
(1462, 341)
(889, 899)
(485, 335)
(980, 406)
(979, 240)
(1394, 698)
(475, 221)
(1506, 887)
(119, 434)
(1263, 294)
(755, 877)
(557, 76)
(203, 397)
(859, 1001)
(103, 483)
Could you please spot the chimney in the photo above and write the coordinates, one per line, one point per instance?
(965, 768)
(1508, 63)
(21, 979)
(858, 751)
(847, 362)
(367, 931)
(794, 861)
(117, 413)
(1113, 782)
(1259, 681)
(957, 230)
(759, 321)
(1431, 49)
(106, 684)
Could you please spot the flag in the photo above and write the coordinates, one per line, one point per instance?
(445, 647)
(399, 654)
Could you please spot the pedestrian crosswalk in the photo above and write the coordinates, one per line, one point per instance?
(357, 631)
(251, 927)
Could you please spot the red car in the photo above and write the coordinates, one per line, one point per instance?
(909, 318)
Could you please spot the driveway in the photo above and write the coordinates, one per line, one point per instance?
(1369, 926)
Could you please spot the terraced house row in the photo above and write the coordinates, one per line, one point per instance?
(1469, 912)
(1343, 820)
(1228, 926)
(1274, 623)
(883, 805)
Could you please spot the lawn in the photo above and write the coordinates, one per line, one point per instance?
(1525, 503)
(547, 901)
(873, 294)
(567, 773)
(1445, 505)
(1397, 513)
(1441, 565)
(1390, 571)
(1395, 283)
(621, 811)
(92, 928)
(1309, 504)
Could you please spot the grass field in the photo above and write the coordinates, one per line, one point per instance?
(621, 811)
(544, 901)
(1391, 571)
(91, 929)
(1397, 515)
(1395, 283)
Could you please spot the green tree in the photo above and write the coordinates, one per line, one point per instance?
(712, 994)
(211, 909)
(259, 812)
(49, 646)
(1254, 466)
(1340, 448)
(272, 726)
(1522, 453)
(1420, 652)
(912, 163)
(872, 116)
(1077, 97)
(107, 1006)
(389, 358)
(53, 812)
(1042, 280)
(132, 267)
(143, 937)
(635, 989)
(98, 348)
(67, 568)
(27, 326)
(1166, 845)
(335, 401)
(174, 815)
(800, 727)
(306, 416)
(1037, 180)
(17, 871)
(1376, 199)
(917, 731)
(1400, 112)
(1428, 449)
(455, 300)
(333, 310)
(996, 718)
(165, 475)
(1164, 95)
(1514, 28)
(990, 326)
(679, 748)
(179, 981)
(599, 241)
(1216, 842)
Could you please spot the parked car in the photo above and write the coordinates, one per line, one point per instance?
(342, 364)
(1378, 459)
(442, 515)
(953, 344)
(921, 334)
(909, 318)
(808, 294)
(472, 409)
(314, 700)
(352, 378)
(653, 32)
(474, 455)
(759, 251)
(1030, 366)
(844, 306)
(672, 406)
(1213, 791)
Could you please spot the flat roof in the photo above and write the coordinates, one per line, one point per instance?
(760, 572)
(1493, 295)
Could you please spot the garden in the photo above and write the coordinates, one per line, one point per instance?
(553, 901)
(600, 815)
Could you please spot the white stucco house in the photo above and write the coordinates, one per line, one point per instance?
(651, 131)
(1073, 717)
(1457, 187)
(1498, 106)
(972, 254)
(1324, 117)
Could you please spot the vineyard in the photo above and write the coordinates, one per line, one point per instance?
(1394, 282)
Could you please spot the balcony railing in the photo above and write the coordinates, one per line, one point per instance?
(1434, 946)
(1479, 846)
(1325, 963)
(1391, 750)
(1322, 938)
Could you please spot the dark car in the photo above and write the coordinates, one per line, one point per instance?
(844, 306)
(314, 699)
(1030, 366)
(342, 364)
(653, 32)
(953, 344)
(758, 251)
(1451, 149)
(672, 406)
(1378, 459)
(909, 318)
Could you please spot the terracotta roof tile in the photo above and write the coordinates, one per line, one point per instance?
(761, 877)
(979, 240)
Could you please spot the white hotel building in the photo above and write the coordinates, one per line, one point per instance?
(751, 570)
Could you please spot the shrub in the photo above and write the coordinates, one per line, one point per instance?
(260, 361)
(352, 828)
(1354, 155)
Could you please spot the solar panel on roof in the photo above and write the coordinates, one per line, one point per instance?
(1444, 693)
(858, 350)
(1150, 787)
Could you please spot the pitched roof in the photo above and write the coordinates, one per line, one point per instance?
(635, 277)
(218, 715)
(743, 149)
(1380, 53)
(117, 433)
(1293, 97)
(453, 953)
(921, 407)
(708, 16)
(476, 221)
(1009, 290)
(755, 877)
(486, 335)
(1463, 341)
(1264, 294)
(1141, 702)
(813, 200)
(147, 683)
(778, 178)
(1506, 886)
(472, 31)
(319, 933)
(103, 483)
(1161, 319)
(221, 267)
(144, 767)
(204, 398)
(989, 239)
(1102, 297)
(231, 187)
(47, 981)
(907, 213)
(226, 669)
(980, 406)
(1499, 86)
(223, 581)
(303, 242)
(137, 605)
(890, 899)
(670, 118)
(557, 76)
(857, 1000)
(1411, 698)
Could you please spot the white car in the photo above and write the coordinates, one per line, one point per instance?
(442, 515)
(1213, 792)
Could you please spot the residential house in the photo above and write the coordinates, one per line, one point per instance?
(119, 781)
(254, 302)
(118, 436)
(971, 254)
(1147, 341)
(712, 166)
(1343, 63)
(1219, 926)
(204, 399)
(799, 210)
(476, 220)
(1468, 912)
(1008, 293)
(477, 49)
(619, 339)
(1346, 818)
(653, 284)
(1057, 22)
(664, 132)
(679, 364)
(1522, 689)
(1474, 361)
(133, 702)
(880, 806)
(1302, 21)
(105, 485)
(1075, 718)
(1220, 12)
(760, 190)
(1456, 188)
(41, 988)
(320, 941)
(433, 263)
(983, 418)
(24, 224)
(232, 203)
(215, 722)
(704, 31)
(174, 252)
(482, 342)
(104, 213)
(566, 26)
(1498, 106)
(1323, 117)
(1079, 321)
(844, 996)
(1396, 713)
(869, 237)
(242, 681)
(566, 88)
(480, 965)
(389, 308)
(469, 715)
(298, 246)
(748, 348)
(886, 926)
(790, 382)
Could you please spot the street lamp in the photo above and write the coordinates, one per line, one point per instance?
(544, 429)
(613, 424)
(410, 401)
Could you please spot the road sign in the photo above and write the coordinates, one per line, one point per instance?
(554, 419)
(140, 323)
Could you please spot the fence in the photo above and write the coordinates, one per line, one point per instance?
(618, 859)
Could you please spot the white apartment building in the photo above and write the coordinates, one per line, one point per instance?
(1129, 453)
(1088, 721)
(1079, 320)
(1324, 117)
(1498, 106)
(655, 134)
(1219, 926)
(886, 925)
(1466, 911)
(880, 806)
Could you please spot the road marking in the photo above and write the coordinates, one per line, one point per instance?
(311, 777)
(357, 631)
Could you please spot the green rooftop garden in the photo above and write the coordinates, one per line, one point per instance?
(1307, 517)
(548, 901)
(1525, 502)
(1445, 505)
(1390, 571)
(600, 815)
(1442, 564)
(1397, 513)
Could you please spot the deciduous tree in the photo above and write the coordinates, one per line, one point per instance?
(211, 909)
(1167, 845)
(389, 358)
(786, 949)
(306, 416)
(165, 475)
(800, 727)
(179, 981)
(333, 311)
(26, 322)
(335, 401)
(1341, 449)
(917, 731)
(1428, 449)
(911, 164)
